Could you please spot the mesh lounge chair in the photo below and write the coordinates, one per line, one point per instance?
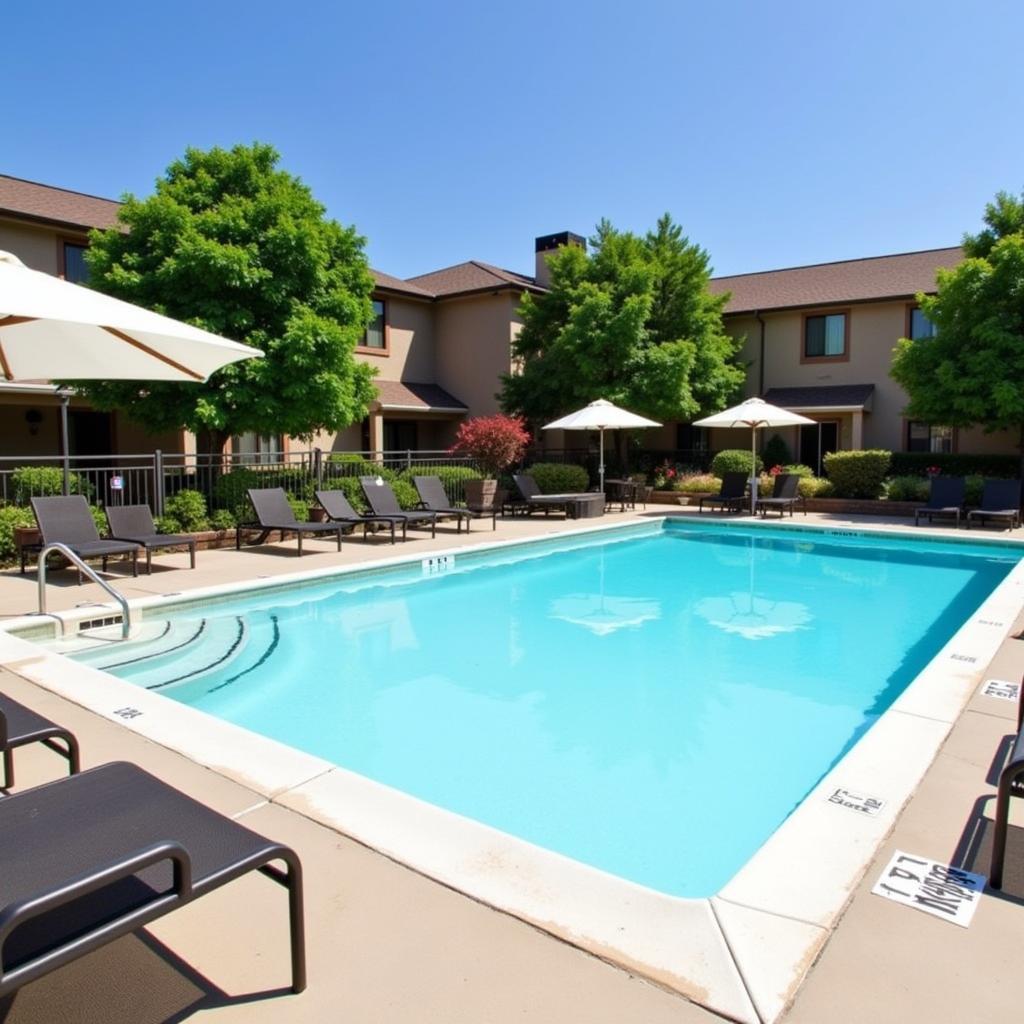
(785, 496)
(434, 499)
(87, 859)
(339, 510)
(135, 523)
(20, 726)
(274, 513)
(731, 497)
(1011, 783)
(67, 520)
(383, 502)
(531, 498)
(1000, 500)
(945, 499)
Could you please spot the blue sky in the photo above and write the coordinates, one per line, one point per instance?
(777, 134)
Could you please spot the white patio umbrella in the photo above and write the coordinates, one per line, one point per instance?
(601, 415)
(754, 413)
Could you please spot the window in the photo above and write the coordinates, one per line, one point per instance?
(927, 437)
(920, 326)
(257, 449)
(825, 336)
(690, 438)
(375, 336)
(73, 266)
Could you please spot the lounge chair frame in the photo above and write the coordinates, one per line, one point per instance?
(433, 499)
(531, 500)
(135, 523)
(1011, 783)
(382, 501)
(945, 500)
(1000, 501)
(339, 510)
(66, 519)
(785, 496)
(274, 513)
(20, 726)
(731, 497)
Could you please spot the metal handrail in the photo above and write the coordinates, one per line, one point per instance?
(126, 615)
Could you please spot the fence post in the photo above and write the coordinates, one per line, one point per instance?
(318, 466)
(158, 482)
(408, 459)
(65, 400)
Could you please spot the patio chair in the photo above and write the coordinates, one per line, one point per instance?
(1000, 500)
(87, 859)
(732, 496)
(20, 726)
(66, 519)
(945, 499)
(382, 501)
(135, 523)
(274, 513)
(1011, 783)
(434, 499)
(531, 499)
(339, 510)
(785, 496)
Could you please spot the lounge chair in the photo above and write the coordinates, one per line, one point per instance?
(1011, 783)
(339, 510)
(785, 496)
(382, 501)
(135, 523)
(573, 504)
(434, 499)
(87, 859)
(274, 513)
(731, 497)
(945, 499)
(1000, 500)
(20, 726)
(66, 519)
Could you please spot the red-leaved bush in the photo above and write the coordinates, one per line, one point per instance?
(496, 442)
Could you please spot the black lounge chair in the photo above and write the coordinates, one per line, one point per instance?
(87, 859)
(135, 523)
(274, 513)
(531, 499)
(66, 519)
(785, 496)
(1000, 500)
(20, 726)
(731, 497)
(339, 510)
(1011, 783)
(945, 499)
(433, 499)
(382, 501)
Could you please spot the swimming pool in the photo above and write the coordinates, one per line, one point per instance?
(653, 703)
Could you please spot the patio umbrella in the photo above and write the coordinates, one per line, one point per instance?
(754, 413)
(601, 416)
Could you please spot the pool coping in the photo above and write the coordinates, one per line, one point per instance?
(741, 953)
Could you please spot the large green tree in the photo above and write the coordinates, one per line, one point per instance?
(631, 321)
(971, 372)
(231, 243)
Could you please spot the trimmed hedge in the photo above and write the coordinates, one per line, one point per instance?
(697, 483)
(10, 517)
(452, 478)
(917, 463)
(858, 474)
(734, 460)
(559, 477)
(45, 481)
(353, 490)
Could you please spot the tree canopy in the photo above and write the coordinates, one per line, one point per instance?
(631, 321)
(233, 244)
(970, 372)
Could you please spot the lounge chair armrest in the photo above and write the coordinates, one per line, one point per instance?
(16, 913)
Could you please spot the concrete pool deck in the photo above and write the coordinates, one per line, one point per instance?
(388, 944)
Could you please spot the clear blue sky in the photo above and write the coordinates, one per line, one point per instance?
(776, 133)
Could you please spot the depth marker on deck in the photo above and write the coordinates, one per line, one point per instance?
(1001, 689)
(948, 893)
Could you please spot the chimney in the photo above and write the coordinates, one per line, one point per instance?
(547, 244)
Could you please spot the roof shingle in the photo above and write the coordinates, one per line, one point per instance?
(29, 199)
(822, 396)
(396, 284)
(406, 394)
(472, 276)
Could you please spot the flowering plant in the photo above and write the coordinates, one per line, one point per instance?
(664, 475)
(933, 470)
(496, 442)
(775, 470)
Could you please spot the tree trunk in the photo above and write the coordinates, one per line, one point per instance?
(210, 445)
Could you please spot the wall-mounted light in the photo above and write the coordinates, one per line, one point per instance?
(33, 417)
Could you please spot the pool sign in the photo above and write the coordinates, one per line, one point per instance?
(117, 483)
(869, 805)
(1003, 689)
(949, 893)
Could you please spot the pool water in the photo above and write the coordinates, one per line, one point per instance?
(654, 705)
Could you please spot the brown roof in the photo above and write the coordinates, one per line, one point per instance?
(822, 396)
(473, 276)
(827, 284)
(404, 394)
(387, 283)
(28, 200)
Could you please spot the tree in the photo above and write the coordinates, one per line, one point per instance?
(230, 243)
(633, 322)
(970, 372)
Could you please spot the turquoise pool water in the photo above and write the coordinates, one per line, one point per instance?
(653, 704)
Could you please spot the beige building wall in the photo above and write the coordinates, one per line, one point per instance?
(409, 330)
(37, 247)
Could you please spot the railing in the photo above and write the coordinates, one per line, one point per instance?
(126, 614)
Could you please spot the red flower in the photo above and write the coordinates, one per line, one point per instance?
(775, 470)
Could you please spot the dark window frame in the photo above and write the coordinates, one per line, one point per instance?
(908, 326)
(844, 356)
(63, 241)
(378, 350)
(908, 444)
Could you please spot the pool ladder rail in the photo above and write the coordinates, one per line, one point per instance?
(126, 614)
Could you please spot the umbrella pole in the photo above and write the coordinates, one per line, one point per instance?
(600, 471)
(65, 398)
(753, 470)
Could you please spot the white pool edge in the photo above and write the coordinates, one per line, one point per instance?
(742, 953)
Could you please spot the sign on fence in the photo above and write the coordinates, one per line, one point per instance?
(117, 483)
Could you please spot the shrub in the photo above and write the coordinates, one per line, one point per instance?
(776, 452)
(43, 481)
(857, 474)
(907, 488)
(353, 491)
(452, 478)
(222, 519)
(188, 509)
(559, 477)
(168, 524)
(955, 464)
(354, 466)
(230, 491)
(734, 460)
(99, 517)
(798, 469)
(973, 487)
(697, 483)
(10, 517)
(300, 506)
(496, 442)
